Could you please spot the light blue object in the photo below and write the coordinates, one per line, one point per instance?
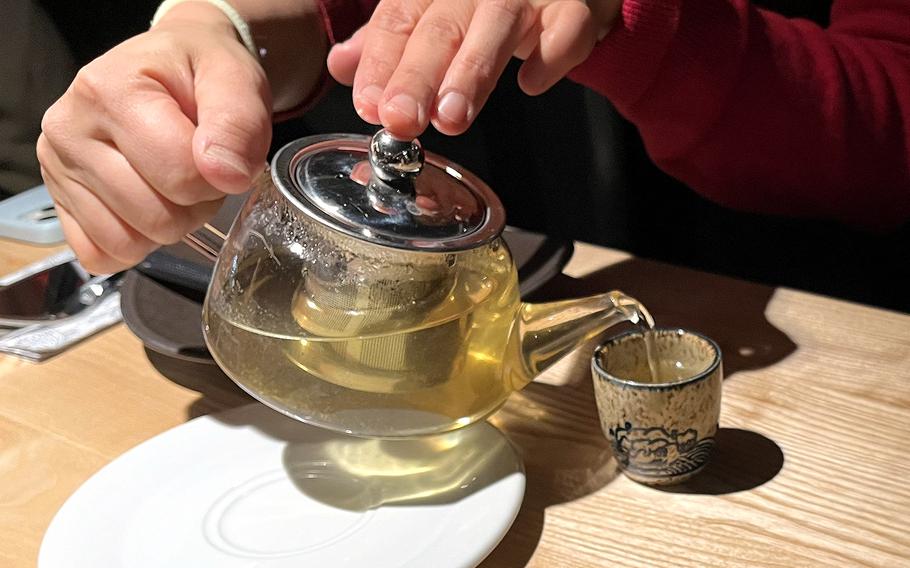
(30, 217)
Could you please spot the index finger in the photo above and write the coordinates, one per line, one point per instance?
(387, 34)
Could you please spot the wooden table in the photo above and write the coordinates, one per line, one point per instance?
(811, 469)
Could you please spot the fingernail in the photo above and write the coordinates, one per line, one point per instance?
(228, 158)
(405, 105)
(453, 107)
(369, 95)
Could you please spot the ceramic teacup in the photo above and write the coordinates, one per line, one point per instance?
(661, 427)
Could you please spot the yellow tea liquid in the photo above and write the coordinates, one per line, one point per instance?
(403, 355)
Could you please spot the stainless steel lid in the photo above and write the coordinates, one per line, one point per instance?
(388, 192)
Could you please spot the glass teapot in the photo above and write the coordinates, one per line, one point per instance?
(364, 287)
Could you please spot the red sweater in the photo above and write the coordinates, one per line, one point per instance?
(756, 111)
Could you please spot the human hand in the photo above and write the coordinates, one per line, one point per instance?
(148, 139)
(420, 61)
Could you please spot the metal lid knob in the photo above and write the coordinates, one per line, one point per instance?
(395, 160)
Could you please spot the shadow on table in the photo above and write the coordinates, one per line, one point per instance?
(730, 311)
(218, 391)
(743, 460)
(558, 430)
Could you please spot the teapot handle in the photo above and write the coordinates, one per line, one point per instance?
(206, 240)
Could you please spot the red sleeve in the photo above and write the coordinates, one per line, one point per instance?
(342, 18)
(769, 114)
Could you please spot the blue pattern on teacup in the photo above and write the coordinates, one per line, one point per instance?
(653, 451)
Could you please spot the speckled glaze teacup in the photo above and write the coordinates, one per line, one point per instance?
(662, 430)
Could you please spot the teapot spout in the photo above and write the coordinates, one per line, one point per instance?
(549, 331)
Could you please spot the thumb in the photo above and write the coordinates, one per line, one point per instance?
(344, 58)
(234, 127)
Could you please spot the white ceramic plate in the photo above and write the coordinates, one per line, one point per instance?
(251, 488)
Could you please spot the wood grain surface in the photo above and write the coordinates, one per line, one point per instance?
(809, 471)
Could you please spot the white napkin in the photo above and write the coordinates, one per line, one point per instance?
(44, 340)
